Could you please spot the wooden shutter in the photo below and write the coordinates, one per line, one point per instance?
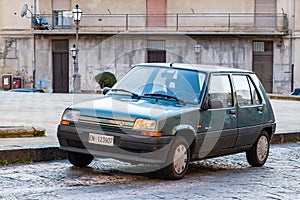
(61, 4)
(265, 6)
(265, 14)
(156, 13)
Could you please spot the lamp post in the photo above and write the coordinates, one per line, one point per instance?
(74, 51)
(197, 49)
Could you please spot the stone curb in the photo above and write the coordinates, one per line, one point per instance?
(284, 97)
(47, 153)
(16, 132)
(280, 138)
(25, 155)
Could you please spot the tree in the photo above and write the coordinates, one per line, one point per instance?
(105, 79)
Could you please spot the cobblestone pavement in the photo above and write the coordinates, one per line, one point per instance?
(227, 177)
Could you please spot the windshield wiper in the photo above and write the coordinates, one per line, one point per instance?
(126, 91)
(164, 96)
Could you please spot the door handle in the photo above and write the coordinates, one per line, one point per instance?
(233, 112)
(260, 108)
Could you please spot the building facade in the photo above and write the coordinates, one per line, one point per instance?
(258, 35)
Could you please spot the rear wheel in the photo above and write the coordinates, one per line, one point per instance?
(258, 154)
(179, 157)
(79, 159)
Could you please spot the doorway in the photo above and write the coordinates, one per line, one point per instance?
(156, 51)
(263, 63)
(60, 58)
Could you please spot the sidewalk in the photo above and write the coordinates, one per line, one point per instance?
(36, 110)
(45, 110)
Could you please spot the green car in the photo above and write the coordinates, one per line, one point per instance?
(168, 115)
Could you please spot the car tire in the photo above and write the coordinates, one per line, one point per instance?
(79, 159)
(178, 160)
(258, 154)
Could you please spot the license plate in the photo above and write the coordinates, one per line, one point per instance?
(101, 139)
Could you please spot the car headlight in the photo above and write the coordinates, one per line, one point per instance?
(70, 116)
(144, 124)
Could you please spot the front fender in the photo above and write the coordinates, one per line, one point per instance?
(182, 127)
(186, 131)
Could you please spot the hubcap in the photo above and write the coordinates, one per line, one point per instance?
(262, 148)
(180, 159)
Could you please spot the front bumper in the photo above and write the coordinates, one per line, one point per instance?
(132, 148)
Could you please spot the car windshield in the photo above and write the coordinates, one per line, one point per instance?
(161, 82)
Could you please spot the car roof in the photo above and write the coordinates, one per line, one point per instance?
(197, 67)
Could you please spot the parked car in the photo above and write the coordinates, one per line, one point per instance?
(31, 90)
(296, 92)
(170, 115)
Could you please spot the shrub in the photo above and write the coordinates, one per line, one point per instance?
(105, 79)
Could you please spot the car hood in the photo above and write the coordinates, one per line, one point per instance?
(130, 109)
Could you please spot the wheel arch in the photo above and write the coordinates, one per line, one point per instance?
(269, 132)
(189, 134)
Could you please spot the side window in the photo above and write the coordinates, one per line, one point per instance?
(245, 91)
(62, 18)
(220, 90)
(256, 99)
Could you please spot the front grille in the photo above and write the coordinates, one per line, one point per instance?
(106, 125)
(106, 122)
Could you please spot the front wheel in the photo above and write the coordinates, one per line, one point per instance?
(258, 154)
(79, 159)
(178, 161)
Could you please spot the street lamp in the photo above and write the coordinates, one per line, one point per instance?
(197, 49)
(74, 51)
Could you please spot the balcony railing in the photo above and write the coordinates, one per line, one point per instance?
(198, 22)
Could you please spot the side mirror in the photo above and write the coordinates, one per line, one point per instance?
(213, 103)
(105, 90)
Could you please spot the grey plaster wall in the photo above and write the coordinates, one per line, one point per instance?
(114, 54)
(118, 53)
(44, 67)
(282, 72)
(19, 59)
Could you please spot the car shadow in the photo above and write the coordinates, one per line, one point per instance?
(125, 171)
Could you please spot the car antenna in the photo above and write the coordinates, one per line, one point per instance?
(171, 64)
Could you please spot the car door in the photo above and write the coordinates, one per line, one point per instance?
(249, 110)
(218, 118)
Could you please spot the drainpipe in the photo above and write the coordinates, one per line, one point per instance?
(34, 49)
(292, 36)
(34, 7)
